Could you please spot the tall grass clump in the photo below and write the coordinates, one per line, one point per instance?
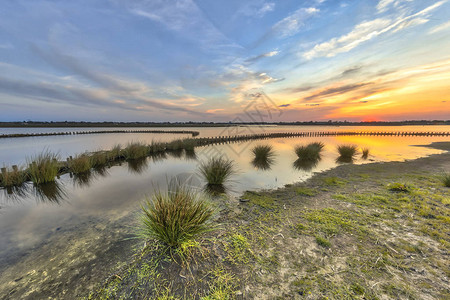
(136, 150)
(347, 152)
(263, 156)
(114, 153)
(446, 179)
(175, 145)
(217, 170)
(80, 164)
(365, 153)
(156, 147)
(189, 144)
(176, 216)
(310, 152)
(12, 177)
(43, 167)
(99, 159)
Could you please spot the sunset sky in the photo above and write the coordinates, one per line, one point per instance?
(234, 60)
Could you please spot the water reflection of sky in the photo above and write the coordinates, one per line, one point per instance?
(107, 196)
(15, 150)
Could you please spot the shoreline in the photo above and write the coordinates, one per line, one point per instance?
(69, 124)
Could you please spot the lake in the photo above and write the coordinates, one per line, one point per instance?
(60, 242)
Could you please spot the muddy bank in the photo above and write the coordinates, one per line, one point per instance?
(70, 261)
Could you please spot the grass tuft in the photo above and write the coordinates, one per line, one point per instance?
(445, 179)
(263, 156)
(12, 177)
(114, 153)
(310, 152)
(347, 152)
(217, 170)
(43, 167)
(175, 217)
(80, 164)
(136, 150)
(189, 145)
(99, 159)
(399, 187)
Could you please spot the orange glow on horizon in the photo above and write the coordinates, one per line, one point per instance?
(404, 94)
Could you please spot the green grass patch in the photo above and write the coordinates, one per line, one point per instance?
(304, 191)
(222, 286)
(238, 249)
(330, 221)
(335, 181)
(263, 201)
(399, 187)
(323, 242)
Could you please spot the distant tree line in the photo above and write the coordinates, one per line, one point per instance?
(29, 124)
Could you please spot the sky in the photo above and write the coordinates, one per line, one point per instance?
(220, 61)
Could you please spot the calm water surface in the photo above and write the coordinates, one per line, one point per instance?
(86, 212)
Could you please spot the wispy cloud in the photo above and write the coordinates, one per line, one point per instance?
(292, 24)
(366, 31)
(256, 9)
(384, 4)
(439, 28)
(338, 90)
(69, 63)
(183, 16)
(258, 57)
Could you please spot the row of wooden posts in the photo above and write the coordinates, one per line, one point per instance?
(16, 135)
(204, 141)
(223, 139)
